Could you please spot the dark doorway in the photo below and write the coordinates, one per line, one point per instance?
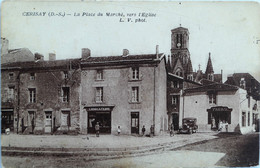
(7, 120)
(104, 120)
(48, 122)
(31, 119)
(135, 123)
(175, 121)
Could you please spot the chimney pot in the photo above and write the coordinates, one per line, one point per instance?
(85, 53)
(52, 56)
(157, 51)
(125, 52)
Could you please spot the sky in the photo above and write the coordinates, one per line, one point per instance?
(228, 30)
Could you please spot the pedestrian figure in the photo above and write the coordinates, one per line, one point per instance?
(151, 131)
(118, 130)
(97, 129)
(220, 126)
(172, 130)
(143, 130)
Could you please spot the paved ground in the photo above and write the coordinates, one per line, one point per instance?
(91, 141)
(225, 150)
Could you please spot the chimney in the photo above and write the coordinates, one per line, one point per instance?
(52, 57)
(5, 46)
(38, 57)
(221, 76)
(85, 53)
(125, 52)
(157, 51)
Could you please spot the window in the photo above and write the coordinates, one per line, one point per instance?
(248, 101)
(174, 100)
(32, 95)
(66, 75)
(210, 77)
(190, 77)
(135, 94)
(99, 94)
(65, 94)
(32, 76)
(179, 73)
(212, 98)
(11, 76)
(248, 119)
(65, 118)
(99, 75)
(176, 84)
(243, 119)
(243, 83)
(135, 75)
(11, 92)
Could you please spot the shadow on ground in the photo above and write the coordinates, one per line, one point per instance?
(240, 150)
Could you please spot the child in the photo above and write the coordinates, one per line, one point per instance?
(118, 130)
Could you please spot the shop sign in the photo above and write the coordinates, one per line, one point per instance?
(220, 109)
(98, 109)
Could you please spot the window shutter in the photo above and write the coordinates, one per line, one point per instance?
(209, 117)
(130, 73)
(141, 93)
(129, 94)
(140, 74)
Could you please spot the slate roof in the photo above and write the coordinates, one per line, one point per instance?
(212, 87)
(17, 55)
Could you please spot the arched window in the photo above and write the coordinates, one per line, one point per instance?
(179, 72)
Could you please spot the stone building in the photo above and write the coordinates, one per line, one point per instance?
(44, 96)
(219, 106)
(127, 91)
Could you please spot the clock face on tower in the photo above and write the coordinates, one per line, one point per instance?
(178, 44)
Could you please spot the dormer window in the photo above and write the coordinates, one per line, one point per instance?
(179, 73)
(190, 77)
(32, 76)
(210, 77)
(135, 73)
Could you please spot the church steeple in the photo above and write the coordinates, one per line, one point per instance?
(209, 70)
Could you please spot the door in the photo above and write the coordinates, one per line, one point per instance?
(48, 121)
(135, 123)
(7, 120)
(175, 121)
(31, 121)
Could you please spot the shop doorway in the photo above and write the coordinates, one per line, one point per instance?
(135, 123)
(104, 120)
(7, 119)
(48, 122)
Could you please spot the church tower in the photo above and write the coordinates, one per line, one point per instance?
(180, 54)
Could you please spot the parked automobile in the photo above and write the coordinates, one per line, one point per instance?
(189, 125)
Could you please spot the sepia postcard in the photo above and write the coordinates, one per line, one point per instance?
(130, 83)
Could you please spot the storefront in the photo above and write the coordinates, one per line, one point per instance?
(219, 116)
(100, 115)
(7, 119)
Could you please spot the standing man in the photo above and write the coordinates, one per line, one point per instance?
(97, 129)
(172, 130)
(143, 130)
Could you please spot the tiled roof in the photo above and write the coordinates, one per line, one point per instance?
(212, 87)
(179, 28)
(121, 58)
